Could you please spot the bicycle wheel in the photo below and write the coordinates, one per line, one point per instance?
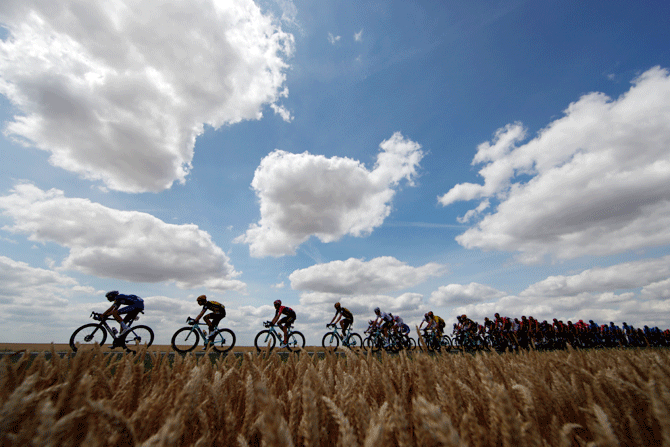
(265, 341)
(410, 344)
(355, 342)
(138, 337)
(224, 340)
(446, 344)
(185, 339)
(296, 341)
(330, 341)
(87, 336)
(376, 343)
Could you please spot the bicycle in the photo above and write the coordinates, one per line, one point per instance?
(375, 341)
(332, 340)
(91, 333)
(267, 338)
(187, 338)
(435, 343)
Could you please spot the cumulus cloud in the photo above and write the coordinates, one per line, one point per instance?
(356, 276)
(358, 37)
(598, 179)
(361, 286)
(637, 292)
(119, 91)
(333, 39)
(304, 195)
(629, 275)
(36, 288)
(458, 294)
(128, 245)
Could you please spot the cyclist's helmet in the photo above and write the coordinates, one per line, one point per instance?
(111, 296)
(337, 305)
(377, 310)
(464, 316)
(277, 303)
(201, 299)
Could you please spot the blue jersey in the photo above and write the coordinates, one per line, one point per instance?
(129, 300)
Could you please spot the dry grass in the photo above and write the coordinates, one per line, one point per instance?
(603, 398)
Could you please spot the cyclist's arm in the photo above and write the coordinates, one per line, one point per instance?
(110, 311)
(274, 320)
(338, 319)
(202, 312)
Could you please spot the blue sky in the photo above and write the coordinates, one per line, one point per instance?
(505, 156)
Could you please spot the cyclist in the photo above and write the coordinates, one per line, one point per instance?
(133, 305)
(344, 317)
(428, 319)
(212, 319)
(398, 325)
(285, 322)
(384, 321)
(435, 323)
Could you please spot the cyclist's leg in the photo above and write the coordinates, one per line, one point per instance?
(283, 325)
(213, 321)
(129, 312)
(345, 324)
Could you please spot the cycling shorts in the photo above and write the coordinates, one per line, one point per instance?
(216, 318)
(136, 307)
(288, 319)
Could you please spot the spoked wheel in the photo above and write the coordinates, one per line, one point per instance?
(296, 341)
(185, 339)
(138, 337)
(376, 344)
(330, 341)
(445, 343)
(410, 344)
(87, 336)
(355, 342)
(265, 341)
(224, 340)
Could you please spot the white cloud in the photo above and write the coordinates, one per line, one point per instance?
(119, 91)
(127, 245)
(358, 37)
(304, 195)
(355, 276)
(599, 179)
(457, 294)
(636, 292)
(629, 275)
(36, 288)
(333, 39)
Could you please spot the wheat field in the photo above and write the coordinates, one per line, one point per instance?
(597, 398)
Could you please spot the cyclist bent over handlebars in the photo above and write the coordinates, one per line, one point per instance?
(286, 321)
(133, 305)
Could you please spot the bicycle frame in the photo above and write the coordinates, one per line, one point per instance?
(195, 327)
(279, 335)
(107, 327)
(347, 334)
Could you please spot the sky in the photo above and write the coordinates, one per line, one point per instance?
(453, 156)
